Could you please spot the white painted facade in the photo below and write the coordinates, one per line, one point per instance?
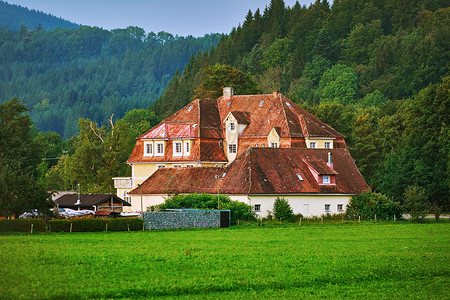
(307, 205)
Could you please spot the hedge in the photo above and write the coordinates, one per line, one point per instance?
(23, 225)
(92, 225)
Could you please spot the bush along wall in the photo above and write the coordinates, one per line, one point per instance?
(20, 225)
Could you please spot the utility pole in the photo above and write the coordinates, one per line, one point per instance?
(218, 194)
(142, 206)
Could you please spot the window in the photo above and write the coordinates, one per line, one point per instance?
(177, 148)
(327, 207)
(257, 207)
(159, 149)
(232, 148)
(148, 149)
(177, 166)
(326, 179)
(232, 126)
(263, 145)
(327, 145)
(160, 166)
(261, 103)
(189, 166)
(187, 147)
(340, 207)
(288, 104)
(190, 108)
(126, 197)
(274, 145)
(300, 177)
(312, 144)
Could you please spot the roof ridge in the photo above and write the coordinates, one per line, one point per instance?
(285, 116)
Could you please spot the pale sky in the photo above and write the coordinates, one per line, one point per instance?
(182, 17)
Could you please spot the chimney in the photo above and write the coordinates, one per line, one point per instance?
(330, 161)
(228, 92)
(275, 93)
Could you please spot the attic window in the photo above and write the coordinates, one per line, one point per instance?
(326, 179)
(261, 103)
(288, 104)
(274, 145)
(312, 145)
(224, 174)
(232, 148)
(299, 177)
(232, 126)
(190, 108)
(228, 103)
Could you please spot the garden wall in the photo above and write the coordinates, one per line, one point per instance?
(186, 218)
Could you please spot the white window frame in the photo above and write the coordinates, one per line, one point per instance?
(189, 166)
(177, 166)
(232, 126)
(328, 179)
(327, 145)
(274, 145)
(177, 146)
(340, 207)
(327, 207)
(146, 145)
(313, 145)
(187, 147)
(232, 148)
(160, 167)
(257, 207)
(157, 148)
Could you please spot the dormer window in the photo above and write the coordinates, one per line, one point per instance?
(274, 145)
(299, 177)
(327, 145)
(326, 179)
(232, 149)
(159, 149)
(177, 148)
(312, 145)
(187, 147)
(232, 126)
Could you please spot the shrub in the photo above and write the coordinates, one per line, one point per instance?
(20, 225)
(282, 209)
(416, 203)
(238, 210)
(369, 204)
(122, 224)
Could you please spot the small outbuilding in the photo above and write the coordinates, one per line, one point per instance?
(96, 202)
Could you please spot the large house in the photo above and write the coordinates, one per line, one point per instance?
(252, 148)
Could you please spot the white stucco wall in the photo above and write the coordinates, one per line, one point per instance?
(308, 205)
(314, 203)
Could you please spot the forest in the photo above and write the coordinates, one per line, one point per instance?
(87, 72)
(376, 71)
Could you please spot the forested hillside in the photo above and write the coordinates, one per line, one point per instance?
(65, 74)
(377, 71)
(14, 16)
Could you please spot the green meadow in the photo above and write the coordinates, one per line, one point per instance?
(366, 260)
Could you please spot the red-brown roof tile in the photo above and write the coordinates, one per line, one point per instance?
(263, 171)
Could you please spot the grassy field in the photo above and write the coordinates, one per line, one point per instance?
(367, 260)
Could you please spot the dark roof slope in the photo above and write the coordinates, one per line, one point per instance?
(88, 200)
(263, 171)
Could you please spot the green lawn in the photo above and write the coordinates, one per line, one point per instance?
(367, 260)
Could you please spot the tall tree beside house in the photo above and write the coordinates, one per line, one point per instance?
(20, 154)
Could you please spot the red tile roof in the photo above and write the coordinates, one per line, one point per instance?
(202, 120)
(263, 171)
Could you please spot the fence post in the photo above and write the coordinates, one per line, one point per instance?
(71, 224)
(375, 218)
(300, 222)
(128, 226)
(195, 224)
(31, 231)
(394, 218)
(106, 226)
(322, 219)
(359, 219)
